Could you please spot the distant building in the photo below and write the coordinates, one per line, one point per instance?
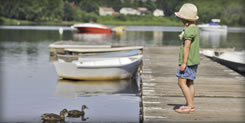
(129, 11)
(106, 11)
(115, 14)
(158, 12)
(143, 11)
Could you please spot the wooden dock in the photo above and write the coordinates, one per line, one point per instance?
(220, 92)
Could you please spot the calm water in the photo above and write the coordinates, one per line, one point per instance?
(30, 86)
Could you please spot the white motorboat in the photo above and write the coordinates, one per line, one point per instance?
(233, 60)
(213, 26)
(99, 68)
(208, 53)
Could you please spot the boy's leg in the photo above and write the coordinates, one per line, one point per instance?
(186, 91)
(190, 84)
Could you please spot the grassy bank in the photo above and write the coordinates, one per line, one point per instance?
(109, 20)
(9, 21)
(139, 20)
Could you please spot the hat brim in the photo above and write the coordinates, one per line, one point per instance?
(185, 18)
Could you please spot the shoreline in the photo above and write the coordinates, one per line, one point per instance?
(157, 21)
(128, 27)
(143, 21)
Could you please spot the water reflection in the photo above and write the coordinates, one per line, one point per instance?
(92, 38)
(157, 37)
(212, 39)
(28, 35)
(118, 33)
(133, 38)
(29, 82)
(71, 88)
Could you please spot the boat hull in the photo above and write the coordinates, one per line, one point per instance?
(205, 27)
(93, 30)
(238, 67)
(230, 59)
(70, 70)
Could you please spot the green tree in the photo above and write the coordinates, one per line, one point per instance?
(69, 12)
(234, 14)
(231, 12)
(169, 7)
(128, 3)
(89, 5)
(121, 17)
(150, 5)
(53, 10)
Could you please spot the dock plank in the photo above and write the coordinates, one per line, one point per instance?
(219, 90)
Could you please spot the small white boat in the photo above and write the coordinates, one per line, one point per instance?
(99, 68)
(97, 51)
(101, 50)
(70, 58)
(213, 26)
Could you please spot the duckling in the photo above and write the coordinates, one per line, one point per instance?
(54, 117)
(77, 113)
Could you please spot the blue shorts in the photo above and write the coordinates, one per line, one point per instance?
(188, 73)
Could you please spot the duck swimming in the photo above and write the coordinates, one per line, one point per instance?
(77, 113)
(54, 117)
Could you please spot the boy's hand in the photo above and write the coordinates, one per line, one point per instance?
(182, 67)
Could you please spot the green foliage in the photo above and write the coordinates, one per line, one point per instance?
(169, 7)
(121, 17)
(33, 10)
(8, 21)
(89, 5)
(150, 5)
(90, 17)
(69, 12)
(138, 20)
(231, 12)
(234, 14)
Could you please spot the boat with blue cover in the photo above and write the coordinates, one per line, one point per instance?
(213, 26)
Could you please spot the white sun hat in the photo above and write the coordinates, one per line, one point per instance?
(188, 11)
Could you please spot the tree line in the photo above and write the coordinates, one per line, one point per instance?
(231, 12)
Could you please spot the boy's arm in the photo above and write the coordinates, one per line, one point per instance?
(186, 54)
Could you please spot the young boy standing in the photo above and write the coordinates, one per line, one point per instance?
(189, 56)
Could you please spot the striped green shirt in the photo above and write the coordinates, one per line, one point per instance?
(191, 33)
